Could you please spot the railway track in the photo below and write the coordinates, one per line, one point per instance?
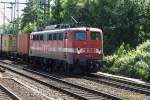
(118, 82)
(5, 94)
(115, 82)
(74, 90)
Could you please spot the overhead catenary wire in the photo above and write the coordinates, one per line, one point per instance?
(15, 7)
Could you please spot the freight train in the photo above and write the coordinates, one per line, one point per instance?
(67, 49)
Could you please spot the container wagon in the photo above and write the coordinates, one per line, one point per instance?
(23, 45)
(8, 44)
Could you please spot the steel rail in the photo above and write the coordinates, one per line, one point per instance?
(43, 83)
(113, 82)
(78, 86)
(77, 95)
(144, 85)
(9, 93)
(129, 85)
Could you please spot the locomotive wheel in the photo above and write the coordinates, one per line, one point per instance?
(66, 67)
(54, 67)
(61, 67)
(96, 68)
(76, 68)
(58, 66)
(90, 67)
(48, 66)
(85, 69)
(49, 69)
(43, 65)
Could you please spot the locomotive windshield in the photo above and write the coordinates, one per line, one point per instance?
(80, 36)
(95, 36)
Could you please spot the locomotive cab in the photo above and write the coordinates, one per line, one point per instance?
(88, 46)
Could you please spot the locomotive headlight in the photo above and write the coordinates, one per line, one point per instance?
(78, 50)
(99, 51)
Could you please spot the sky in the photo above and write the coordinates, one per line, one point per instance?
(8, 10)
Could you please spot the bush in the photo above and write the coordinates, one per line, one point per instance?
(122, 50)
(132, 63)
(145, 47)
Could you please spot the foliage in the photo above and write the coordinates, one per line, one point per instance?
(29, 28)
(11, 28)
(32, 14)
(56, 11)
(122, 50)
(132, 63)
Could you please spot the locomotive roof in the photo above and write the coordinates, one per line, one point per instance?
(69, 29)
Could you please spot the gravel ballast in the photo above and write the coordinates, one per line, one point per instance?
(22, 91)
(4, 96)
(38, 88)
(126, 94)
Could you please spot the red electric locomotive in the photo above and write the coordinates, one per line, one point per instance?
(76, 50)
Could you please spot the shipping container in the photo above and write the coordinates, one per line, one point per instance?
(23, 44)
(8, 43)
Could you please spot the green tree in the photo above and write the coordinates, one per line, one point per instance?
(70, 9)
(11, 28)
(56, 11)
(32, 14)
(30, 27)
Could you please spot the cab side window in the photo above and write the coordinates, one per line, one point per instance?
(50, 37)
(41, 37)
(34, 37)
(95, 36)
(37, 37)
(60, 36)
(55, 36)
